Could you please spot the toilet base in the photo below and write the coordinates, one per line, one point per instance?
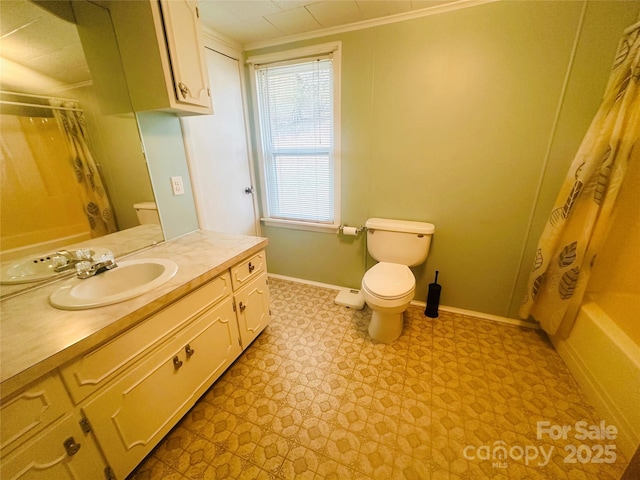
(385, 327)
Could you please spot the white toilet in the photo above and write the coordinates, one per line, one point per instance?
(388, 287)
(147, 213)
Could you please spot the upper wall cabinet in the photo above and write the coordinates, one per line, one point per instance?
(163, 55)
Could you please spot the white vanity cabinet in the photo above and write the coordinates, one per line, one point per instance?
(42, 437)
(163, 55)
(133, 389)
(111, 383)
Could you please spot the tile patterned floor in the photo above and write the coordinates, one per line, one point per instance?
(314, 398)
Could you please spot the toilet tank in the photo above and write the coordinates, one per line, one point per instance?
(147, 213)
(399, 241)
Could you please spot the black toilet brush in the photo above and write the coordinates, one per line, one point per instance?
(433, 299)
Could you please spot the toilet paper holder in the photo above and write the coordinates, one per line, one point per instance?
(347, 230)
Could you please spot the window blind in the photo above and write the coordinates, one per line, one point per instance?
(295, 104)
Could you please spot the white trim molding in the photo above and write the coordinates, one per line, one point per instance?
(310, 51)
(455, 310)
(481, 315)
(298, 225)
(400, 17)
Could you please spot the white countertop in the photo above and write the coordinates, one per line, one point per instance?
(36, 338)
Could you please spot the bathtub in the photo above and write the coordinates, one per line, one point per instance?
(603, 354)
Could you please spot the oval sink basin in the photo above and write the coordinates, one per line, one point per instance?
(36, 268)
(129, 279)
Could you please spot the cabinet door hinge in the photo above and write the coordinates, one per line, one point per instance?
(85, 425)
(108, 474)
(234, 305)
(270, 312)
(197, 12)
(208, 92)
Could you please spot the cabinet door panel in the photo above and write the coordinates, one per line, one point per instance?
(252, 304)
(45, 457)
(188, 66)
(33, 410)
(131, 415)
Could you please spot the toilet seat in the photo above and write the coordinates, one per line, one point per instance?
(389, 281)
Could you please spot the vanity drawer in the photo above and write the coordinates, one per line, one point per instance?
(244, 272)
(33, 410)
(86, 374)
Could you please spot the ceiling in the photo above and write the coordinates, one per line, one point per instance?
(35, 60)
(256, 21)
(32, 58)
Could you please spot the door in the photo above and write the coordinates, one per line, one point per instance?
(217, 154)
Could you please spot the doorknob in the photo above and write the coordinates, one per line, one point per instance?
(248, 190)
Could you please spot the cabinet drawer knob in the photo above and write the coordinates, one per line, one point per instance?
(71, 446)
(177, 363)
(242, 306)
(251, 267)
(189, 351)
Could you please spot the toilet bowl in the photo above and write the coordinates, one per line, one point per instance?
(389, 286)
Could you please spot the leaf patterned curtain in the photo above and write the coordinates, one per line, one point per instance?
(94, 196)
(582, 213)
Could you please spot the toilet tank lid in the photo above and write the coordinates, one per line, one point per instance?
(405, 226)
(145, 206)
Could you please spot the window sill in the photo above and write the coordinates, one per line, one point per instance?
(294, 225)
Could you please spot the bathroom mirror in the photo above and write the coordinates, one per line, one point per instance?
(71, 155)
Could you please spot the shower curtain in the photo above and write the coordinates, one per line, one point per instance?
(94, 195)
(581, 215)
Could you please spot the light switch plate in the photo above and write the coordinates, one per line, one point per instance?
(176, 186)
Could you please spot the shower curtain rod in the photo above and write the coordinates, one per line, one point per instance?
(37, 105)
(31, 95)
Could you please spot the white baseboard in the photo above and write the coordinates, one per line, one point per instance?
(484, 316)
(460, 311)
(307, 282)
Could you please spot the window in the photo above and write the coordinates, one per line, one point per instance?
(297, 105)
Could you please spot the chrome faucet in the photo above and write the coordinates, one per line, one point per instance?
(87, 269)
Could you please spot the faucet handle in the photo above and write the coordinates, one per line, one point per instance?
(107, 257)
(83, 253)
(59, 261)
(84, 269)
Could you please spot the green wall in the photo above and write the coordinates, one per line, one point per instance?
(164, 149)
(468, 120)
